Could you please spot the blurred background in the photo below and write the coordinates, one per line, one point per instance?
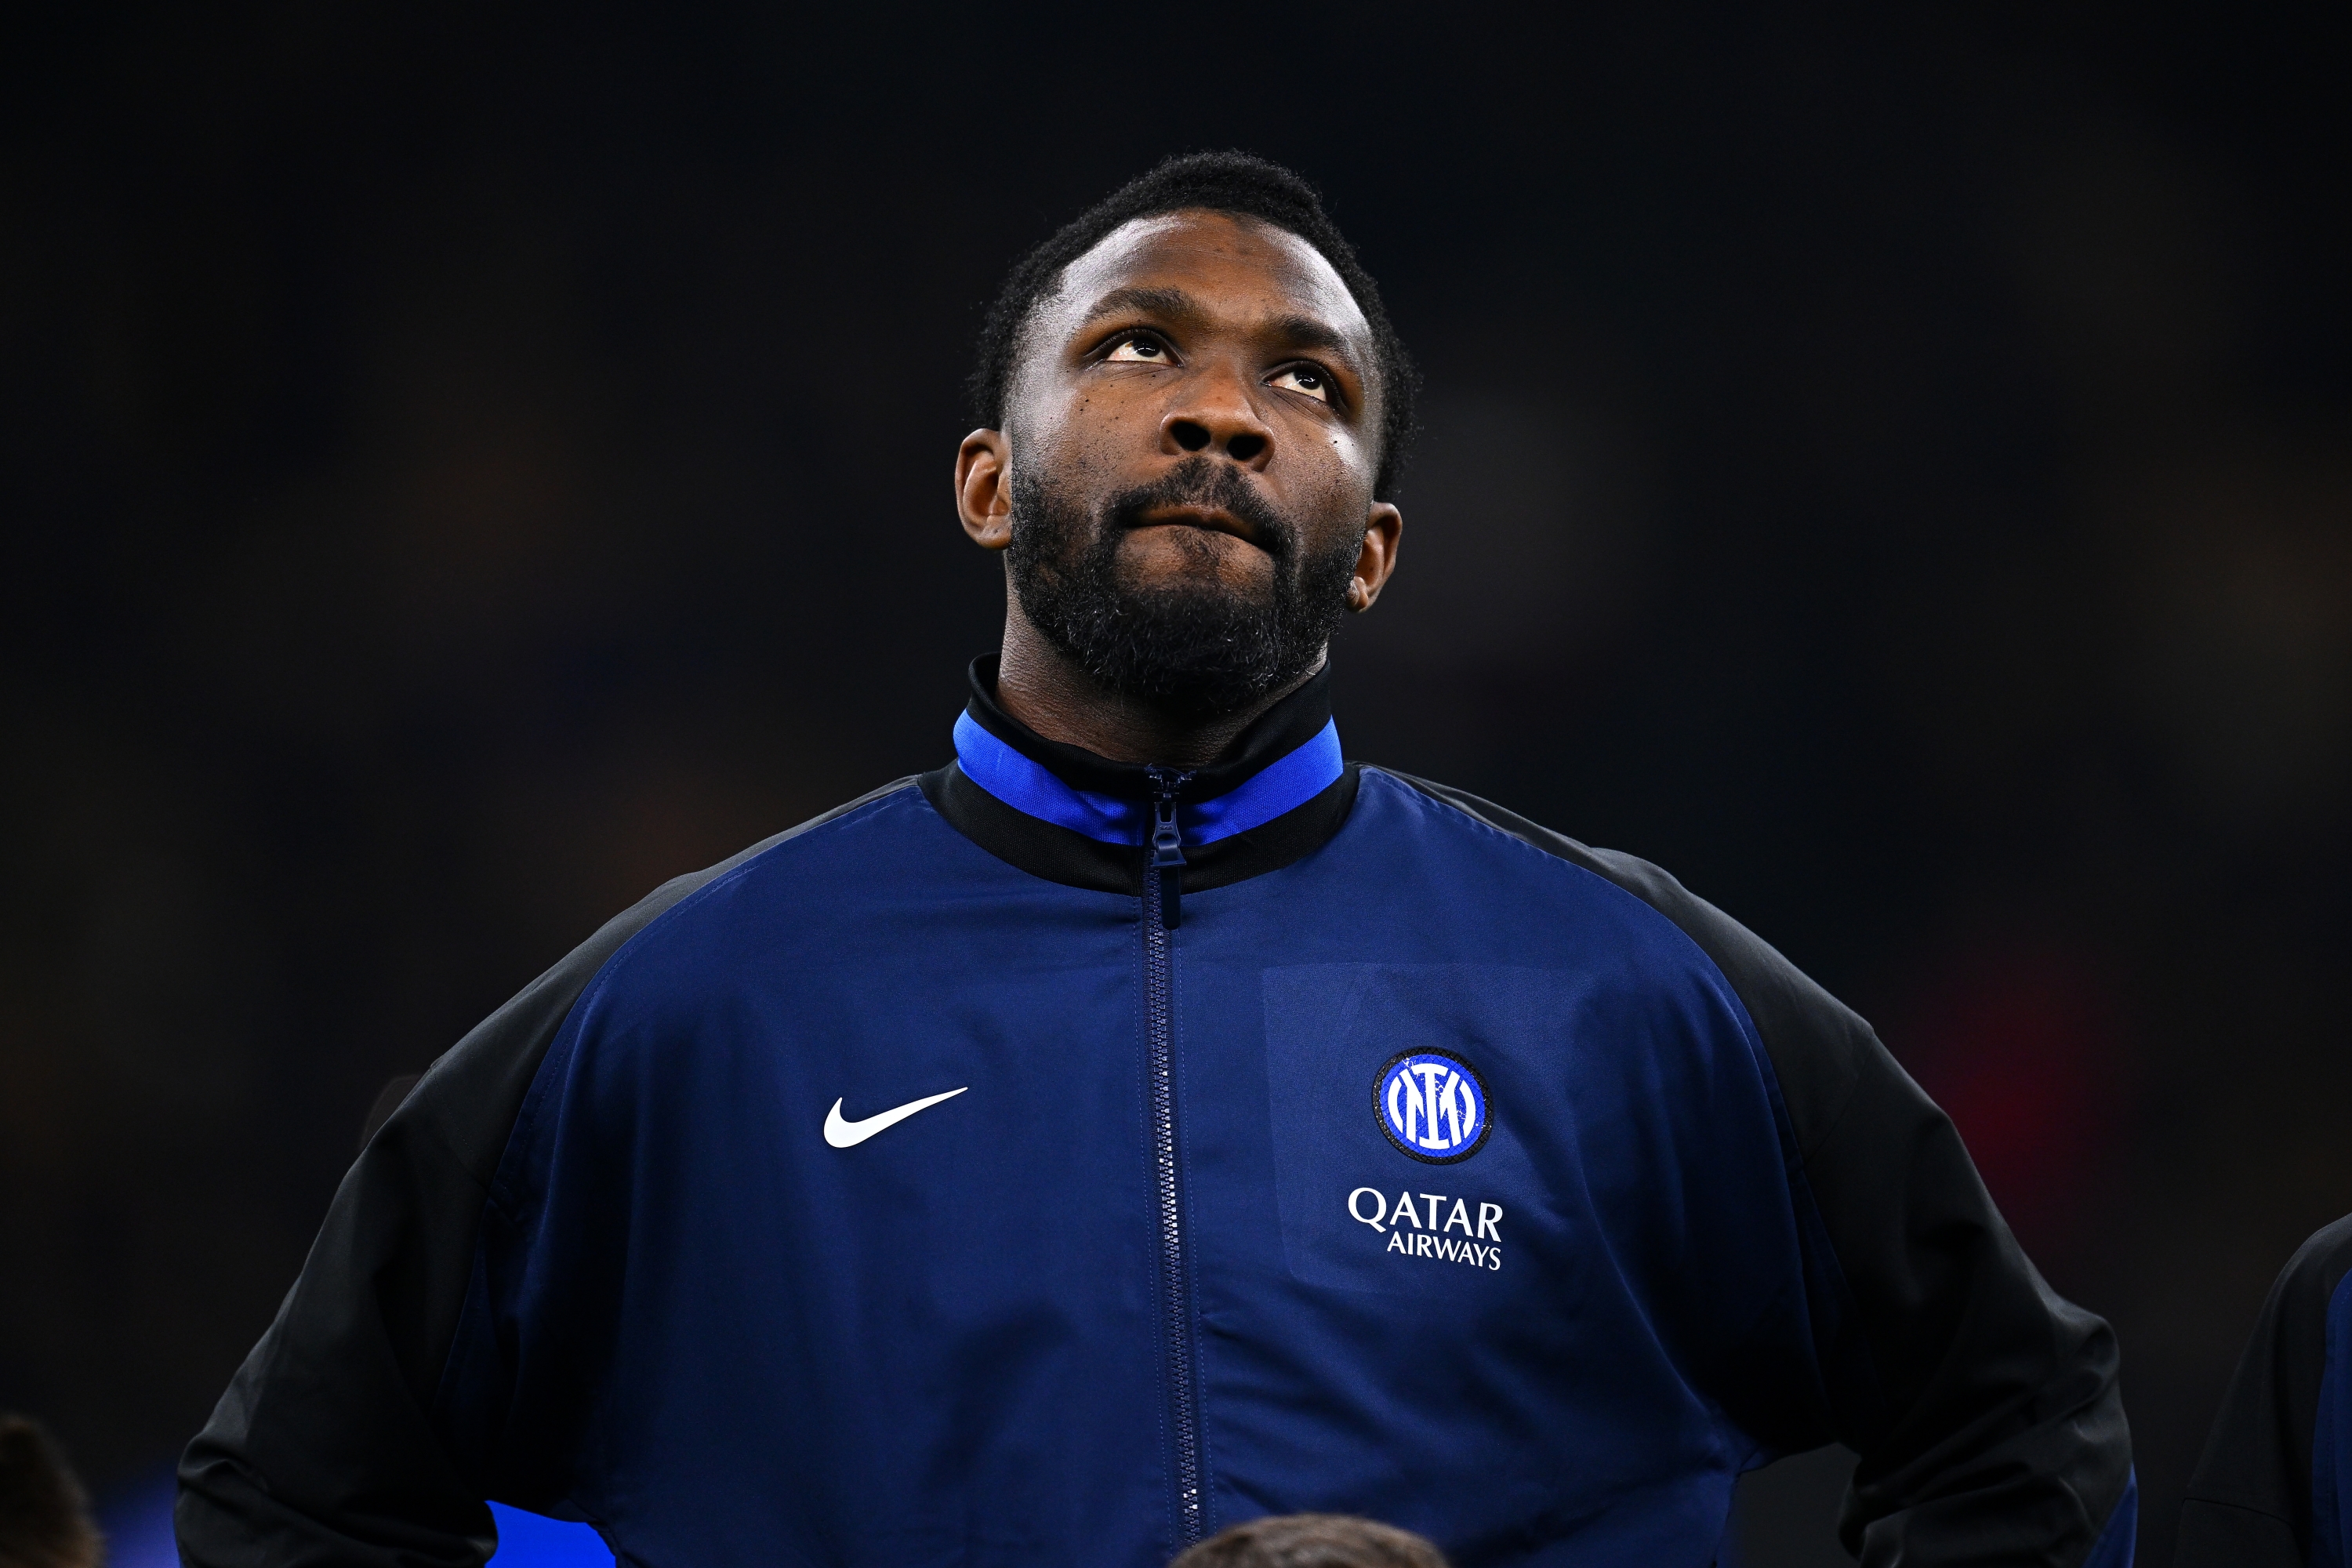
(461, 468)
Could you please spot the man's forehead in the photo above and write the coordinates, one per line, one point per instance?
(1225, 264)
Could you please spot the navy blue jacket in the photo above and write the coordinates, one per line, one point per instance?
(1297, 1136)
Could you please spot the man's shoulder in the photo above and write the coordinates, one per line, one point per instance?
(1734, 949)
(779, 851)
(827, 853)
(490, 1067)
(1638, 877)
(1813, 1038)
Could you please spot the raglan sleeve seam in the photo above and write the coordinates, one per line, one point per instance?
(1833, 1123)
(2202, 1501)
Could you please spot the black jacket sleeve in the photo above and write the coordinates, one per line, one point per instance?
(2249, 1503)
(322, 1451)
(1984, 1407)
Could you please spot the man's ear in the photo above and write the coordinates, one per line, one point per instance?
(1382, 528)
(984, 490)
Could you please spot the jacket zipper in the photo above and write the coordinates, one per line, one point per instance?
(1162, 912)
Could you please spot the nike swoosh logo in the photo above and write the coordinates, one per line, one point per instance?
(844, 1134)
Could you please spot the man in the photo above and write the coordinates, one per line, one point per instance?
(1149, 1121)
(2271, 1490)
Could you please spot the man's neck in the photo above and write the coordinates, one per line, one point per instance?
(1042, 688)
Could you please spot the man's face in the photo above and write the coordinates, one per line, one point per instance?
(1190, 443)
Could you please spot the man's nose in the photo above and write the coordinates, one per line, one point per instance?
(1218, 416)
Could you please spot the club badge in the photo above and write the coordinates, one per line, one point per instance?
(1432, 1105)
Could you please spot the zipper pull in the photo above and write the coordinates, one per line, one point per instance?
(1168, 843)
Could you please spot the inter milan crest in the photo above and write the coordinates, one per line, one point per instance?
(1432, 1105)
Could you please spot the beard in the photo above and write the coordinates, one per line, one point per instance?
(1192, 647)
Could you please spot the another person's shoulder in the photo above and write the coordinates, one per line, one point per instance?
(2319, 1265)
(2277, 1455)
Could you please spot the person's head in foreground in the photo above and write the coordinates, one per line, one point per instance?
(1312, 1540)
(44, 1518)
(1151, 1117)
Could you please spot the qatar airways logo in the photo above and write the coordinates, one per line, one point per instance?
(1432, 1105)
(1433, 1226)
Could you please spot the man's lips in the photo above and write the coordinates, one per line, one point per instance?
(1209, 519)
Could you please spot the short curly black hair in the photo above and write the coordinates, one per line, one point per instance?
(1229, 182)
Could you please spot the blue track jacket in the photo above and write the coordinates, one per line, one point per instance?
(1045, 1161)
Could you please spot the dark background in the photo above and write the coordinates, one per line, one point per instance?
(461, 469)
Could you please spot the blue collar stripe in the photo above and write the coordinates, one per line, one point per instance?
(1288, 782)
(1029, 786)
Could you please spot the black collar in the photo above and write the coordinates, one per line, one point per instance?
(1276, 733)
(1058, 855)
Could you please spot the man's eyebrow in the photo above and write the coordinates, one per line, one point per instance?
(1164, 303)
(1175, 304)
(1308, 332)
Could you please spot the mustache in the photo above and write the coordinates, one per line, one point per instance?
(1212, 485)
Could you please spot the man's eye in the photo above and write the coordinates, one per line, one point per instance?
(1307, 379)
(1139, 350)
